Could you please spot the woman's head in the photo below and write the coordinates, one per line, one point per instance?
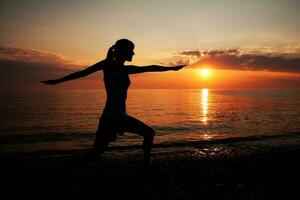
(123, 50)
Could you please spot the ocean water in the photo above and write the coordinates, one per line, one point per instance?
(67, 119)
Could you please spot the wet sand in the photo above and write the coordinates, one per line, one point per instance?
(232, 170)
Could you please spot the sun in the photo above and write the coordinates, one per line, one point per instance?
(205, 72)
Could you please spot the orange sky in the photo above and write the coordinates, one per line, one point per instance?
(191, 79)
(241, 41)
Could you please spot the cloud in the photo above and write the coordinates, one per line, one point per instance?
(21, 66)
(34, 58)
(191, 53)
(235, 59)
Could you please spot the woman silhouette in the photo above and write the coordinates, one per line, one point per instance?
(114, 119)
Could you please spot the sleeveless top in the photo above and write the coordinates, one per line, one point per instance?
(117, 82)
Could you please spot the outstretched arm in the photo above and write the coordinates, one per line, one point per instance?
(151, 68)
(96, 67)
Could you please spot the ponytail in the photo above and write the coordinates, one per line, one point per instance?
(111, 53)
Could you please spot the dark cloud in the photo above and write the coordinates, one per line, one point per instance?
(191, 53)
(25, 55)
(236, 60)
(24, 66)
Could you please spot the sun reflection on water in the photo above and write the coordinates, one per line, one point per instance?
(207, 136)
(204, 105)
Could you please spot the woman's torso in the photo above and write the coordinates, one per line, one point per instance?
(116, 81)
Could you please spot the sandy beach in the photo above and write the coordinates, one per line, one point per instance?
(232, 169)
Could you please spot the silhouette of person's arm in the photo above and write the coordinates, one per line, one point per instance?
(96, 67)
(151, 68)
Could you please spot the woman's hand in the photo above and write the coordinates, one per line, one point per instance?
(176, 68)
(51, 82)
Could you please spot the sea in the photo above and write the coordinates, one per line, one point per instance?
(65, 119)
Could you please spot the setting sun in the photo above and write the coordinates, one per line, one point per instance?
(205, 72)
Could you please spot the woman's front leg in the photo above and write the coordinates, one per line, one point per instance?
(136, 126)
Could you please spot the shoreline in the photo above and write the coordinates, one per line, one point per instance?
(202, 170)
(16, 144)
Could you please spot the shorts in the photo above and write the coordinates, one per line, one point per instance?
(109, 128)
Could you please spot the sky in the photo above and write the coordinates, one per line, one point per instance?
(245, 44)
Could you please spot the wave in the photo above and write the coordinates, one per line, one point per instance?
(181, 141)
(45, 137)
(227, 146)
(286, 137)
